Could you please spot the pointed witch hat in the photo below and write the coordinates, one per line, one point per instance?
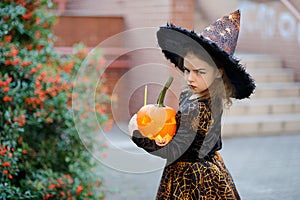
(219, 41)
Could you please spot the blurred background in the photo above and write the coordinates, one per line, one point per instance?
(268, 45)
(263, 164)
(67, 140)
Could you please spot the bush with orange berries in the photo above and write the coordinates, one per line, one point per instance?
(41, 155)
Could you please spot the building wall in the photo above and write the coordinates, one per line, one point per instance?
(270, 28)
(90, 30)
(267, 28)
(141, 21)
(137, 13)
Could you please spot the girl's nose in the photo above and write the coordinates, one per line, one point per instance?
(190, 77)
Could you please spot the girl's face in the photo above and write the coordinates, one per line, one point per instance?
(198, 73)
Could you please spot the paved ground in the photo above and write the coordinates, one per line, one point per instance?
(264, 168)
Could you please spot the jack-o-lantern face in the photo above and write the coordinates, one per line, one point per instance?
(157, 121)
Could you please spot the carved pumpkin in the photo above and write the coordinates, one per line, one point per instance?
(157, 121)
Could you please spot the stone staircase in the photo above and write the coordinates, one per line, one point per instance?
(275, 106)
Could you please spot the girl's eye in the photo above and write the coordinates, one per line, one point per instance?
(201, 72)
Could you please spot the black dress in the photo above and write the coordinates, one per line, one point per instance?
(194, 169)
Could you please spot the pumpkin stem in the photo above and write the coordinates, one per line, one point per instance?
(161, 97)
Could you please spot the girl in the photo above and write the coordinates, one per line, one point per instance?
(195, 169)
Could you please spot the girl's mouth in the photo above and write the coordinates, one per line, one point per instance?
(192, 87)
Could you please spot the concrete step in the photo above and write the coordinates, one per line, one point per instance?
(261, 125)
(268, 75)
(259, 61)
(264, 106)
(272, 90)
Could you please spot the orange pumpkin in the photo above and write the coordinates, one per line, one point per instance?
(157, 121)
